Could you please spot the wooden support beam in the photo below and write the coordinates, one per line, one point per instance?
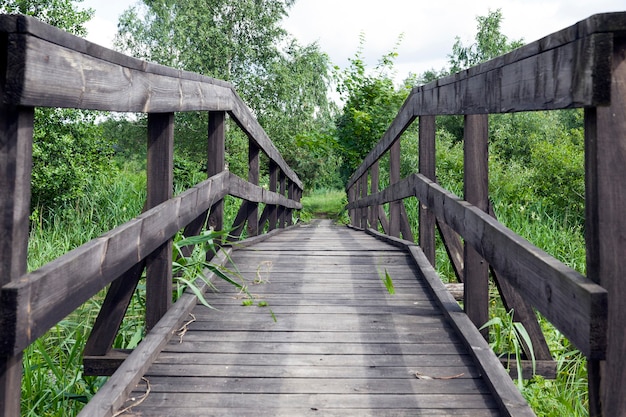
(216, 162)
(373, 210)
(394, 177)
(283, 192)
(605, 229)
(427, 163)
(476, 190)
(364, 211)
(160, 172)
(16, 138)
(273, 214)
(253, 178)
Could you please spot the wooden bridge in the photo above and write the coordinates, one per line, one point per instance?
(335, 342)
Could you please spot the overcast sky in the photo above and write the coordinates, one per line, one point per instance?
(428, 28)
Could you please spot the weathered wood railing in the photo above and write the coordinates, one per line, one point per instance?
(581, 66)
(41, 66)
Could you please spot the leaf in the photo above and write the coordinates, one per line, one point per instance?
(196, 291)
(388, 282)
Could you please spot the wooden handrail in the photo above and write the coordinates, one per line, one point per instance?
(41, 66)
(583, 66)
(47, 67)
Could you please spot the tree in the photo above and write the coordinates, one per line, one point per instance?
(489, 43)
(284, 83)
(371, 103)
(63, 14)
(68, 148)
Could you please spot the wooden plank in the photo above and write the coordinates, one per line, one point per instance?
(318, 371)
(160, 184)
(16, 138)
(290, 412)
(244, 190)
(299, 348)
(220, 340)
(605, 227)
(45, 296)
(459, 386)
(476, 192)
(379, 402)
(505, 392)
(58, 76)
(111, 396)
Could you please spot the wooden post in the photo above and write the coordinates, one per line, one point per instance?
(253, 178)
(292, 196)
(373, 211)
(215, 162)
(352, 193)
(394, 177)
(605, 229)
(160, 185)
(427, 165)
(364, 210)
(273, 216)
(476, 191)
(16, 138)
(283, 191)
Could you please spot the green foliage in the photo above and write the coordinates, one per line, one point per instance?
(325, 203)
(508, 338)
(242, 42)
(68, 151)
(489, 43)
(371, 103)
(63, 14)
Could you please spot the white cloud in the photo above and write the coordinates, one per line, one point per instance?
(429, 28)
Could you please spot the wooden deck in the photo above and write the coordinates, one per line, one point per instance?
(340, 345)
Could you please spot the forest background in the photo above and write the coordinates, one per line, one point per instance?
(89, 167)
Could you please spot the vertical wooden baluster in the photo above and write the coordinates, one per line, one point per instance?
(352, 199)
(16, 136)
(394, 177)
(292, 196)
(476, 191)
(273, 217)
(253, 178)
(605, 230)
(216, 162)
(364, 210)
(373, 212)
(427, 165)
(283, 191)
(160, 185)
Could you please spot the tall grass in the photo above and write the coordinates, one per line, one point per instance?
(325, 203)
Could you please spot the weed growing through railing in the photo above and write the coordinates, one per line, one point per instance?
(188, 269)
(510, 337)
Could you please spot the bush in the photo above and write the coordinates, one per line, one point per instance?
(68, 151)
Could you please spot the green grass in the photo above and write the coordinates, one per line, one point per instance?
(325, 204)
